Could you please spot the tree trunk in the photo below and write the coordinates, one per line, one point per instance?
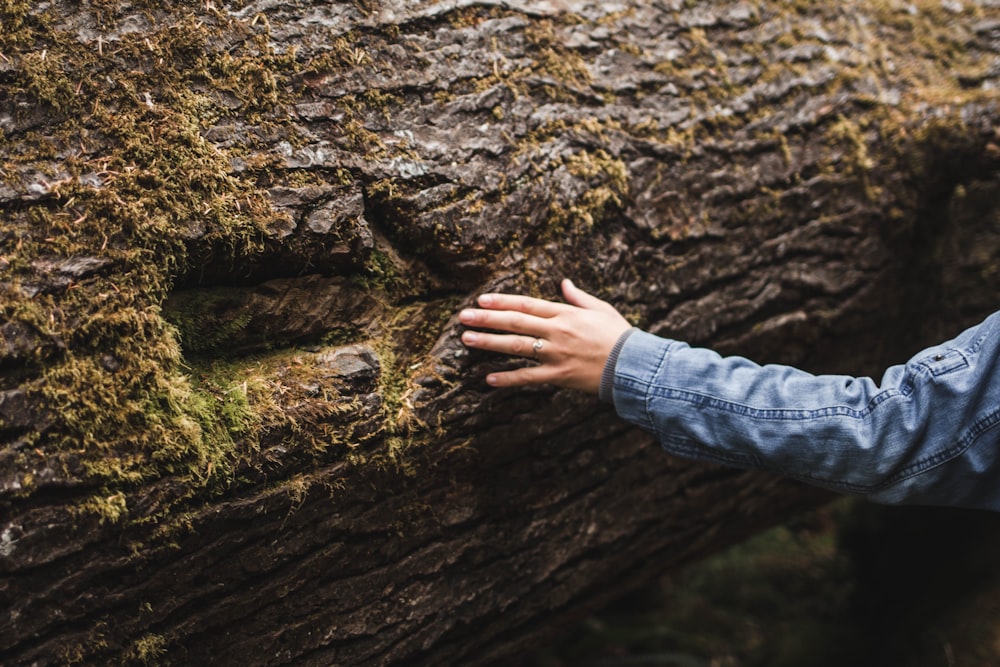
(237, 424)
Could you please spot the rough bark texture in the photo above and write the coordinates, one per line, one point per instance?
(237, 426)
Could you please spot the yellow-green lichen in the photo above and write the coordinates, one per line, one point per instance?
(130, 180)
(150, 649)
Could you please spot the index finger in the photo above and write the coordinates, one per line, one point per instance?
(522, 304)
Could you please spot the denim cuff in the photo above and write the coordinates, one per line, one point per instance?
(606, 389)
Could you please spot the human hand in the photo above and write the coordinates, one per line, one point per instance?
(571, 341)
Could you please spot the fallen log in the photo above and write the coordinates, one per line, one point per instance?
(236, 422)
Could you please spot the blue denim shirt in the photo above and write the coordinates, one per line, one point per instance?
(927, 434)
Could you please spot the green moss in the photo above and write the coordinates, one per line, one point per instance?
(79, 653)
(150, 649)
(380, 270)
(394, 387)
(108, 508)
(14, 15)
(414, 329)
(606, 182)
(208, 321)
(339, 335)
(856, 160)
(133, 120)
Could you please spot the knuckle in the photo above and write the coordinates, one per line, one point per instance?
(518, 346)
(516, 321)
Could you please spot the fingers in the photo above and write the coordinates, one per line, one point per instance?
(504, 320)
(508, 344)
(525, 314)
(520, 346)
(520, 377)
(572, 336)
(523, 304)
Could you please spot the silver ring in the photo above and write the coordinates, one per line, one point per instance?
(537, 347)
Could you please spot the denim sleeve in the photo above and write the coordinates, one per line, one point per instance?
(927, 434)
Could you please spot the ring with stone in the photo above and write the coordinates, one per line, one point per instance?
(537, 347)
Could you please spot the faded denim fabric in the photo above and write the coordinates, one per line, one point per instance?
(928, 434)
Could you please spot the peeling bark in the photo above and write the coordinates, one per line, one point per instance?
(236, 423)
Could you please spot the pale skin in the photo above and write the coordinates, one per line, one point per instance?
(571, 341)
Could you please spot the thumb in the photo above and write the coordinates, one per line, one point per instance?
(577, 297)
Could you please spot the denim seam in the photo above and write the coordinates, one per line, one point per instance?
(649, 386)
(978, 343)
(846, 487)
(968, 439)
(780, 414)
(915, 469)
(689, 448)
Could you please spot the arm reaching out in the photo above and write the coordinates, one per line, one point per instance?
(929, 433)
(571, 341)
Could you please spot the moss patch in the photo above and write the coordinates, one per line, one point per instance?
(126, 175)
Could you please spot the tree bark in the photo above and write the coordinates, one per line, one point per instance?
(237, 424)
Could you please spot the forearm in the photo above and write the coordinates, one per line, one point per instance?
(926, 433)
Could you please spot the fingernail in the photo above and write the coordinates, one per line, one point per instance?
(470, 338)
(491, 380)
(485, 299)
(467, 315)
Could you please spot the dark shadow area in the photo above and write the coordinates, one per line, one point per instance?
(850, 584)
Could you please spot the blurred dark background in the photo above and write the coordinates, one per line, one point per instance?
(852, 583)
